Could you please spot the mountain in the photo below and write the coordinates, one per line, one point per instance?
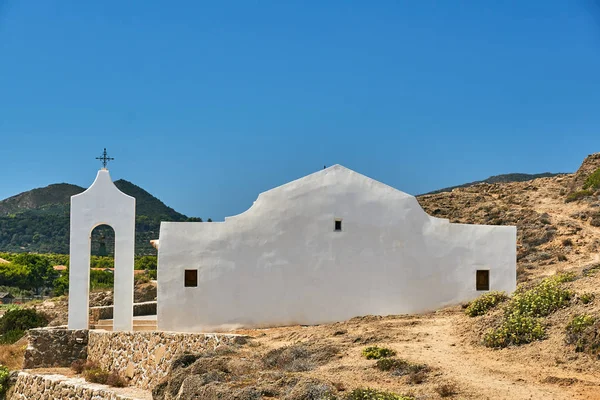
(38, 220)
(505, 178)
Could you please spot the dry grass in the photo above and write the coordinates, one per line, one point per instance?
(11, 355)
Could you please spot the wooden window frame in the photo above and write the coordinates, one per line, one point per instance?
(190, 278)
(482, 280)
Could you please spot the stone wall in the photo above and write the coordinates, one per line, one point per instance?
(144, 357)
(58, 387)
(54, 347)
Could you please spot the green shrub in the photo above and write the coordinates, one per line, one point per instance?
(485, 302)
(399, 367)
(587, 298)
(543, 299)
(593, 180)
(141, 278)
(11, 336)
(15, 322)
(563, 277)
(4, 374)
(578, 195)
(96, 375)
(579, 323)
(521, 322)
(372, 394)
(591, 270)
(582, 332)
(516, 329)
(375, 353)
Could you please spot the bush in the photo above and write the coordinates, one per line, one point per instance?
(15, 322)
(575, 196)
(96, 375)
(372, 394)
(591, 270)
(567, 242)
(299, 357)
(141, 278)
(484, 303)
(579, 323)
(93, 373)
(581, 332)
(375, 353)
(115, 380)
(521, 322)
(593, 180)
(516, 329)
(11, 336)
(78, 365)
(587, 298)
(543, 299)
(4, 374)
(399, 367)
(446, 389)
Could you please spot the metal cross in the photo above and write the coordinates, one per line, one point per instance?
(105, 158)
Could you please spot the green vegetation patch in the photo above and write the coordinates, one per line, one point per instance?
(4, 374)
(575, 196)
(485, 302)
(372, 394)
(593, 181)
(582, 332)
(522, 321)
(376, 353)
(543, 299)
(15, 322)
(587, 298)
(400, 367)
(93, 373)
(516, 329)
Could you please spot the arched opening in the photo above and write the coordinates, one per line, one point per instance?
(102, 276)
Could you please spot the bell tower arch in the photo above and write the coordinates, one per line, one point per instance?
(102, 204)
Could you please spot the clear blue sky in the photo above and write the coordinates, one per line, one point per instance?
(207, 104)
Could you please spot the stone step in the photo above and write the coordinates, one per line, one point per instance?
(138, 325)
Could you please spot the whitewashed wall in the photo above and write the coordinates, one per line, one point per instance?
(101, 204)
(281, 262)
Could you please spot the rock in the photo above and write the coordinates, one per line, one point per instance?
(144, 292)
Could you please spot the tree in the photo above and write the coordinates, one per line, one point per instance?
(146, 262)
(41, 273)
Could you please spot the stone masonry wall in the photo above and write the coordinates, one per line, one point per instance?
(144, 357)
(58, 387)
(54, 347)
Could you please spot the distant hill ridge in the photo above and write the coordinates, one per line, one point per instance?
(505, 178)
(38, 220)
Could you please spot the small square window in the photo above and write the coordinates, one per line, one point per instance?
(338, 225)
(483, 279)
(191, 278)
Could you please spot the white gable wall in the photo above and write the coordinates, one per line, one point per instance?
(281, 262)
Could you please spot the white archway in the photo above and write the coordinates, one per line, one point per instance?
(101, 204)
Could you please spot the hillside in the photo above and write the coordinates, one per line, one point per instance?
(38, 220)
(504, 178)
